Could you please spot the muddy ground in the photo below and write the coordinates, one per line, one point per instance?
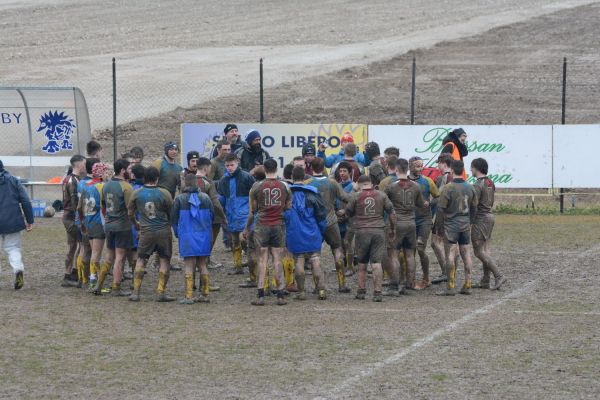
(537, 337)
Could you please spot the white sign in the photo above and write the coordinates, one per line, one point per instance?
(519, 156)
(575, 152)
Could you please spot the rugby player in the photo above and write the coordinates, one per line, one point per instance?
(305, 224)
(458, 202)
(268, 200)
(331, 193)
(136, 174)
(70, 200)
(169, 169)
(346, 231)
(368, 209)
(423, 215)
(89, 209)
(437, 237)
(234, 189)
(405, 196)
(119, 238)
(218, 163)
(192, 221)
(85, 249)
(154, 206)
(376, 169)
(483, 224)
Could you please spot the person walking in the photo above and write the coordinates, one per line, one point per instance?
(14, 204)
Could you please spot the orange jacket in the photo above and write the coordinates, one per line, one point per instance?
(456, 155)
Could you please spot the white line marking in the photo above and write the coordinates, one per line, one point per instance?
(367, 310)
(556, 312)
(339, 390)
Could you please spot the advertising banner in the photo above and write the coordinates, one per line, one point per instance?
(282, 141)
(519, 156)
(575, 149)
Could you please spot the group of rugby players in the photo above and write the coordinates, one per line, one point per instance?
(375, 212)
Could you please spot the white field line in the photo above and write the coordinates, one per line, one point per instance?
(365, 310)
(567, 313)
(340, 389)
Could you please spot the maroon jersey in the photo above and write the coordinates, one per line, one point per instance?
(268, 200)
(368, 208)
(484, 188)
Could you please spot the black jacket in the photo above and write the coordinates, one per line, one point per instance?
(452, 138)
(250, 159)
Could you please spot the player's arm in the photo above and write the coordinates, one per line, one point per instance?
(252, 207)
(80, 211)
(288, 200)
(419, 199)
(473, 205)
(175, 216)
(73, 193)
(443, 200)
(168, 201)
(216, 204)
(433, 189)
(131, 210)
(102, 201)
(350, 208)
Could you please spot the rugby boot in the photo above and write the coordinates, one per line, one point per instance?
(214, 265)
(237, 261)
(344, 289)
(501, 280)
(466, 289)
(322, 294)
(248, 283)
(116, 291)
(292, 288)
(377, 297)
(259, 301)
(447, 292)
(481, 285)
(104, 268)
(439, 279)
(18, 280)
(68, 281)
(300, 296)
(360, 294)
(392, 291)
(185, 300)
(163, 298)
(135, 296)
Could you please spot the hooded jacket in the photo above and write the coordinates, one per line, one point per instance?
(461, 148)
(14, 202)
(192, 219)
(234, 191)
(333, 159)
(250, 158)
(306, 221)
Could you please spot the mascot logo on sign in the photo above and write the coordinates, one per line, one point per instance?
(58, 129)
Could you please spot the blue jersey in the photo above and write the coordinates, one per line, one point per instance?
(80, 187)
(91, 196)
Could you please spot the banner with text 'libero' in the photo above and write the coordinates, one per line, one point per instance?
(519, 156)
(282, 141)
(575, 152)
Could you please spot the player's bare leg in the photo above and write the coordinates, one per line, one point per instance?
(300, 276)
(377, 281)
(426, 281)
(411, 267)
(482, 252)
(451, 254)
(437, 244)
(263, 259)
(362, 281)
(278, 274)
(465, 254)
(318, 276)
(393, 269)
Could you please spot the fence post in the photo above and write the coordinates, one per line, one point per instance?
(413, 91)
(262, 100)
(114, 82)
(563, 121)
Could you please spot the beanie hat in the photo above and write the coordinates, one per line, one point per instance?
(99, 169)
(252, 135)
(229, 127)
(309, 150)
(192, 155)
(171, 145)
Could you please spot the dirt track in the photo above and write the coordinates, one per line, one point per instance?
(509, 75)
(536, 338)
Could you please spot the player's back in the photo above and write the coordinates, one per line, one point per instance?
(405, 196)
(115, 196)
(423, 214)
(485, 189)
(91, 198)
(456, 200)
(369, 209)
(271, 197)
(153, 204)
